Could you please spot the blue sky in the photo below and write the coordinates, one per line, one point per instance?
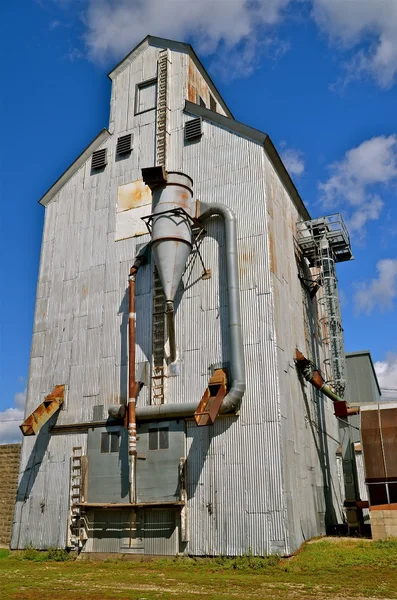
(319, 76)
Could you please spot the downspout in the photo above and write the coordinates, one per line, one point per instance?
(132, 386)
(232, 400)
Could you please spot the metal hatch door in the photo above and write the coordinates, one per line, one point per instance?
(160, 445)
(107, 465)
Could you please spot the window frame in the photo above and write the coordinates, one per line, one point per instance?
(109, 443)
(156, 431)
(138, 88)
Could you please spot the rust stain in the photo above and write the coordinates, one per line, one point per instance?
(211, 401)
(191, 82)
(133, 195)
(44, 411)
(246, 258)
(273, 265)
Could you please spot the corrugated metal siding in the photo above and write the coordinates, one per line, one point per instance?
(245, 471)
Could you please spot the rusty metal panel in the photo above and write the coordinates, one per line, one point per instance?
(133, 195)
(372, 446)
(388, 423)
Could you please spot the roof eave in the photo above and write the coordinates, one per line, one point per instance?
(257, 136)
(74, 167)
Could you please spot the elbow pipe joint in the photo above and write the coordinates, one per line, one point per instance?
(233, 399)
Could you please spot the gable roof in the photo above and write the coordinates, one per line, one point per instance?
(256, 136)
(74, 167)
(151, 40)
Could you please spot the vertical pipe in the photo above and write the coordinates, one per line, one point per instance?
(171, 329)
(132, 387)
(131, 383)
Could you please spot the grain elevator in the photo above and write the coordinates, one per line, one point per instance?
(186, 302)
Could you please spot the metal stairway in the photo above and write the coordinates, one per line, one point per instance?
(76, 497)
(324, 242)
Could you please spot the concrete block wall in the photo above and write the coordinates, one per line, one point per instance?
(9, 469)
(383, 524)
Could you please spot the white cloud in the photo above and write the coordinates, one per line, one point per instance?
(115, 26)
(386, 372)
(11, 418)
(369, 28)
(353, 182)
(293, 161)
(379, 292)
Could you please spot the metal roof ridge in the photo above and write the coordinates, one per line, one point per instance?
(258, 136)
(74, 166)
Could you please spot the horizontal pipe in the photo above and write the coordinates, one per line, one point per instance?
(166, 411)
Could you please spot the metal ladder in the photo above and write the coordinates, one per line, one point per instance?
(329, 301)
(158, 383)
(75, 496)
(162, 108)
(158, 369)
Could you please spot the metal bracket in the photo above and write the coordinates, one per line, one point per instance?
(194, 224)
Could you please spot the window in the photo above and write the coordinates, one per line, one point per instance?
(145, 96)
(212, 103)
(110, 442)
(159, 438)
(200, 101)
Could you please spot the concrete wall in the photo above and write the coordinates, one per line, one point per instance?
(9, 468)
(383, 524)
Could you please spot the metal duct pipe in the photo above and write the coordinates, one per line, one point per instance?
(311, 374)
(232, 400)
(132, 385)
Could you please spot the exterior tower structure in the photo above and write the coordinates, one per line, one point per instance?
(262, 477)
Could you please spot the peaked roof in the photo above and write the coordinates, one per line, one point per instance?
(151, 40)
(74, 167)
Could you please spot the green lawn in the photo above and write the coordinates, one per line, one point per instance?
(324, 569)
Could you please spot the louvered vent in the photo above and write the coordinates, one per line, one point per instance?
(124, 144)
(99, 159)
(193, 129)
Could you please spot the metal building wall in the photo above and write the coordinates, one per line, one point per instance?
(309, 429)
(236, 496)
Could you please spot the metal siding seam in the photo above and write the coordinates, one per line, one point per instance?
(95, 296)
(143, 327)
(252, 404)
(110, 322)
(79, 340)
(100, 237)
(91, 376)
(107, 382)
(159, 521)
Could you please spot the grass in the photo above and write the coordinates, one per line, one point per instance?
(344, 569)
